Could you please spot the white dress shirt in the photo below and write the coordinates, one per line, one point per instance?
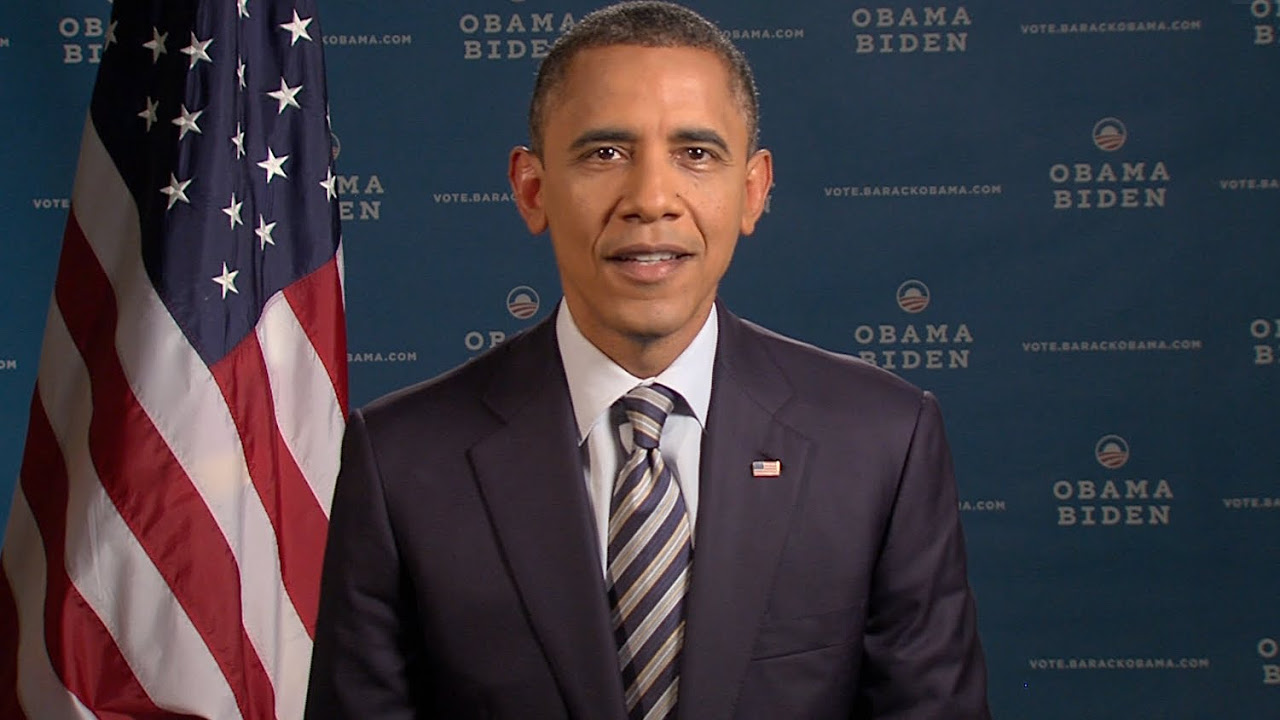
(596, 383)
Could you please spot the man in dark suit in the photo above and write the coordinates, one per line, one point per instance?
(761, 530)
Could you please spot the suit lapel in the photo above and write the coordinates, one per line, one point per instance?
(531, 477)
(742, 520)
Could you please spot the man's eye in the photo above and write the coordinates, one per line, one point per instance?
(605, 153)
(697, 154)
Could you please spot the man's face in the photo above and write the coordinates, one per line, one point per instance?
(645, 184)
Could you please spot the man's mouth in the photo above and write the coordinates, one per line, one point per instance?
(648, 257)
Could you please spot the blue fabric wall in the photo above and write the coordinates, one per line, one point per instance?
(1060, 217)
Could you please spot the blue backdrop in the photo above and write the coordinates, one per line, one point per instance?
(1060, 217)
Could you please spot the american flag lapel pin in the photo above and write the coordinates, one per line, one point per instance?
(766, 468)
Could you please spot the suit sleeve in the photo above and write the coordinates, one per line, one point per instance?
(922, 658)
(363, 646)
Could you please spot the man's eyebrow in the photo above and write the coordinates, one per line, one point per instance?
(602, 135)
(701, 135)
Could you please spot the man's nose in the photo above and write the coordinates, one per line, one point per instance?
(652, 190)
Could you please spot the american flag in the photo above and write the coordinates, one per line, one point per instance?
(766, 468)
(163, 551)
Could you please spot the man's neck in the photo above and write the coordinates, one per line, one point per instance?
(596, 381)
(647, 357)
(643, 357)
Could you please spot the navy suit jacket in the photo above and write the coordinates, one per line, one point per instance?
(462, 576)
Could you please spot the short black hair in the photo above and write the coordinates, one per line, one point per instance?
(644, 23)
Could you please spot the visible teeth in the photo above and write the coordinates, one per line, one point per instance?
(651, 257)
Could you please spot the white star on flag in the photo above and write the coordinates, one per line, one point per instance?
(240, 71)
(198, 50)
(287, 96)
(242, 7)
(187, 121)
(273, 165)
(176, 190)
(238, 141)
(227, 280)
(149, 113)
(329, 183)
(233, 212)
(156, 44)
(298, 28)
(264, 233)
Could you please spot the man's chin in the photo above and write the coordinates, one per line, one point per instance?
(659, 324)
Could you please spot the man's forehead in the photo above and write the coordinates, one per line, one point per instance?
(599, 65)
(596, 75)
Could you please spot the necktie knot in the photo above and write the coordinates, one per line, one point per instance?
(647, 408)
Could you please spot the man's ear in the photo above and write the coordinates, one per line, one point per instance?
(525, 173)
(759, 182)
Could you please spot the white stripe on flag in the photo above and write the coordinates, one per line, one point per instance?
(305, 403)
(102, 553)
(41, 692)
(342, 276)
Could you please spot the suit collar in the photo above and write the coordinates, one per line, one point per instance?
(530, 475)
(742, 521)
(742, 355)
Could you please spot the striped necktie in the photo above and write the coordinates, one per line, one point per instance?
(650, 550)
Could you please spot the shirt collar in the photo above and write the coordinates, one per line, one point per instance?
(596, 382)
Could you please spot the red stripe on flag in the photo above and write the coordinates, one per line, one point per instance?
(9, 705)
(299, 521)
(316, 301)
(160, 505)
(81, 649)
